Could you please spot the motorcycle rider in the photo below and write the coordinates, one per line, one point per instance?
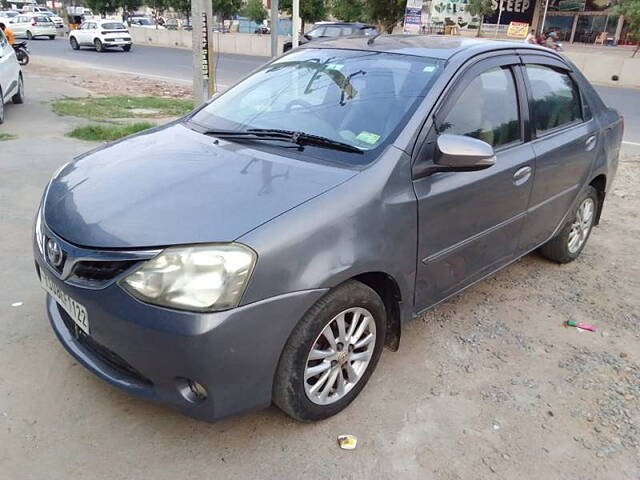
(8, 33)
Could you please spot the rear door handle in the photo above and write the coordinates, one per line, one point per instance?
(522, 175)
(590, 143)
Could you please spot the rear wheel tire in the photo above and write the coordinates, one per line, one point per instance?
(18, 98)
(568, 243)
(52, 37)
(126, 48)
(74, 43)
(98, 44)
(29, 35)
(331, 353)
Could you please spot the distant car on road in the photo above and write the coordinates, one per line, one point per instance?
(143, 22)
(7, 15)
(268, 246)
(328, 30)
(11, 84)
(32, 25)
(101, 34)
(59, 22)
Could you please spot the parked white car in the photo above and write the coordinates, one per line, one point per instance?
(7, 15)
(101, 34)
(11, 84)
(33, 25)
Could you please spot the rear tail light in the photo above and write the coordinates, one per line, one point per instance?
(34, 23)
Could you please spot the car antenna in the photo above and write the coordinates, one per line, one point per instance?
(373, 39)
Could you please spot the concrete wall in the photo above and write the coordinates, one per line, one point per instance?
(241, 43)
(597, 66)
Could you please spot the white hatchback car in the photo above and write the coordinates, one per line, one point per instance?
(33, 25)
(101, 34)
(11, 84)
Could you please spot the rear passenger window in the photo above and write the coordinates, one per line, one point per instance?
(487, 109)
(556, 101)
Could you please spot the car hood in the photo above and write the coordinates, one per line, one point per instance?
(176, 186)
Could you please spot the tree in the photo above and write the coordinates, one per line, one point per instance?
(349, 10)
(480, 8)
(310, 10)
(102, 7)
(226, 8)
(631, 11)
(254, 10)
(180, 6)
(386, 13)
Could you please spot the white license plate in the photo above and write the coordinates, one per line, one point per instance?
(76, 310)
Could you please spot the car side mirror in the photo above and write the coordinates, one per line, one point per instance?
(308, 37)
(457, 153)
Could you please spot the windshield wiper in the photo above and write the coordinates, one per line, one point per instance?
(299, 138)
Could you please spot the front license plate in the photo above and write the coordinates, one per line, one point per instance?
(76, 310)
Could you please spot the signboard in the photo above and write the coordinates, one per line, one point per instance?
(517, 30)
(571, 5)
(413, 16)
(520, 11)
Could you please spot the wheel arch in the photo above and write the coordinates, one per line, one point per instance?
(387, 288)
(600, 185)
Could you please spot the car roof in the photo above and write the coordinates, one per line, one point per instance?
(433, 46)
(346, 24)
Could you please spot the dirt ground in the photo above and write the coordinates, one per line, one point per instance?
(488, 385)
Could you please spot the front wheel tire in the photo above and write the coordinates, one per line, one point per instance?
(98, 44)
(18, 98)
(331, 353)
(29, 35)
(126, 48)
(568, 243)
(74, 43)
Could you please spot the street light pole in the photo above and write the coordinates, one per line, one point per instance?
(544, 16)
(274, 28)
(499, 17)
(295, 24)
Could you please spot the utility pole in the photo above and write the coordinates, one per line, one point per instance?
(274, 28)
(499, 18)
(203, 73)
(295, 24)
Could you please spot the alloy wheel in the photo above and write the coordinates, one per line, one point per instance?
(581, 225)
(339, 356)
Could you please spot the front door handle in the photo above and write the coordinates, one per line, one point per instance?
(522, 175)
(590, 144)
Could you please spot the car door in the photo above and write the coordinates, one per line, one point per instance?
(469, 222)
(19, 27)
(6, 70)
(83, 35)
(564, 140)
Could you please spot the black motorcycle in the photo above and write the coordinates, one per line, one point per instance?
(22, 52)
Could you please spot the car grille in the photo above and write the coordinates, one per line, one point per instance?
(100, 271)
(103, 353)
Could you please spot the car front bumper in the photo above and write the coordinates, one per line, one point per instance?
(151, 351)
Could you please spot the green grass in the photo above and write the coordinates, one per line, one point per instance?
(107, 133)
(6, 136)
(121, 107)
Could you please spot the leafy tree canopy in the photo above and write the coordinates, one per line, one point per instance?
(349, 10)
(254, 10)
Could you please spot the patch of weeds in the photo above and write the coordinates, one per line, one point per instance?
(6, 136)
(121, 107)
(107, 133)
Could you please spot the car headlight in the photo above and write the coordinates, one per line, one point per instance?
(200, 277)
(38, 231)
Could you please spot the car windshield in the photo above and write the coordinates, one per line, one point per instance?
(113, 26)
(360, 98)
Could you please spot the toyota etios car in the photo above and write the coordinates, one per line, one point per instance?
(266, 247)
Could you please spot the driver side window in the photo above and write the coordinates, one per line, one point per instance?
(487, 109)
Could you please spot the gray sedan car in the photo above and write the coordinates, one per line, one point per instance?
(269, 245)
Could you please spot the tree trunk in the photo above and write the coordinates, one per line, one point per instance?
(480, 25)
(636, 50)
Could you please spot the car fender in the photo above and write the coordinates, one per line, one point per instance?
(366, 224)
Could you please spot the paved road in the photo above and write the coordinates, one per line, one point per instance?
(175, 63)
(170, 63)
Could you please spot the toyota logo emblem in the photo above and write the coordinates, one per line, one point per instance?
(54, 253)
